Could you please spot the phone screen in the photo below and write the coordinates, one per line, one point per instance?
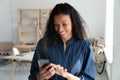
(43, 62)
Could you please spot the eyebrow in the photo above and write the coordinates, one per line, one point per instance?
(61, 22)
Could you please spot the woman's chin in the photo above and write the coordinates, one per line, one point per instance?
(63, 37)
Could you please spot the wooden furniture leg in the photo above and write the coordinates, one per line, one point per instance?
(13, 69)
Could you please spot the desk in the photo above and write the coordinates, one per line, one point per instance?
(21, 57)
(29, 48)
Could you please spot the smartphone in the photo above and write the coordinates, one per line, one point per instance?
(43, 62)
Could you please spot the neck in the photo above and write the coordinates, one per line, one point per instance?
(65, 42)
(66, 39)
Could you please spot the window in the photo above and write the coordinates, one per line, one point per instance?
(109, 30)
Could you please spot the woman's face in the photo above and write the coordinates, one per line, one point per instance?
(63, 26)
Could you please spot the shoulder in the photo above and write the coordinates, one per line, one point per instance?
(87, 47)
(39, 43)
(84, 45)
(83, 42)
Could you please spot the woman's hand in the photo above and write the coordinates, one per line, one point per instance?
(63, 72)
(51, 69)
(59, 70)
(46, 72)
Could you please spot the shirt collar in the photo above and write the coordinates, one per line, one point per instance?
(69, 42)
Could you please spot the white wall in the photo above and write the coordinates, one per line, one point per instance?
(116, 48)
(5, 20)
(93, 12)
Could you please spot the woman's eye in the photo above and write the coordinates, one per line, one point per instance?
(55, 25)
(64, 24)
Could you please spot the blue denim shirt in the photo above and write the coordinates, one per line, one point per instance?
(77, 59)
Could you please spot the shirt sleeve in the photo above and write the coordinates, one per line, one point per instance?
(34, 66)
(88, 69)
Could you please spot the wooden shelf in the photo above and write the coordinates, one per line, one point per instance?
(30, 23)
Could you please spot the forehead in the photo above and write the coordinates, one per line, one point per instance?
(62, 18)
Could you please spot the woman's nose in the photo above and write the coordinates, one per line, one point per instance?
(60, 28)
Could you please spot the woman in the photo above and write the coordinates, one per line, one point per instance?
(64, 44)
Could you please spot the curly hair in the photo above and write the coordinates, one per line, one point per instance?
(78, 28)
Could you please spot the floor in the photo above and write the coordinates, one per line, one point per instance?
(22, 74)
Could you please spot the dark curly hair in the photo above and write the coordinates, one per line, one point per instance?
(78, 29)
